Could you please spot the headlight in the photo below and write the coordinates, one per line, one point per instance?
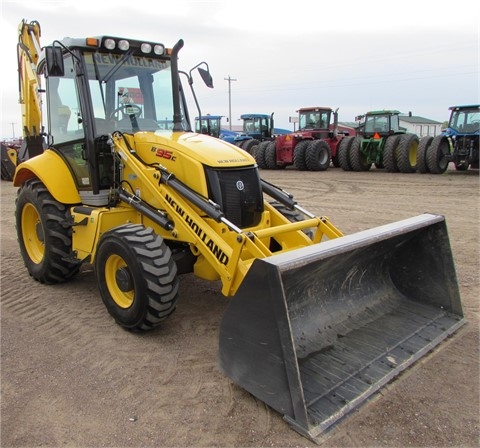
(146, 48)
(123, 45)
(159, 49)
(109, 44)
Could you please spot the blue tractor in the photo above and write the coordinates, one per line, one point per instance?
(211, 125)
(257, 128)
(458, 143)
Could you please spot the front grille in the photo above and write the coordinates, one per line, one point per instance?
(239, 194)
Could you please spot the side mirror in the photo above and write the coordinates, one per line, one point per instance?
(207, 78)
(54, 61)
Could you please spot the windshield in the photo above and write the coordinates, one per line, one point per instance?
(465, 121)
(315, 119)
(381, 123)
(210, 126)
(376, 123)
(130, 93)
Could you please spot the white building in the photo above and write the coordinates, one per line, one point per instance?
(419, 125)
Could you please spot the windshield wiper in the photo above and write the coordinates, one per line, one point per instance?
(116, 67)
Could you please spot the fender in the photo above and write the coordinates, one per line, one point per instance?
(61, 186)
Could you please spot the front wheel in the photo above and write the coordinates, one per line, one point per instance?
(358, 160)
(318, 155)
(136, 276)
(44, 234)
(299, 155)
(389, 156)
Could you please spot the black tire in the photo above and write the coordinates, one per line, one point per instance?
(436, 161)
(44, 234)
(423, 145)
(407, 153)
(260, 155)
(389, 156)
(343, 153)
(136, 276)
(271, 156)
(318, 155)
(299, 155)
(249, 145)
(357, 158)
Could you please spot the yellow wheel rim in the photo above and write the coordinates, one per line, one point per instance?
(123, 299)
(412, 154)
(32, 234)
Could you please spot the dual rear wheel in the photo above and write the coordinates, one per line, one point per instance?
(399, 154)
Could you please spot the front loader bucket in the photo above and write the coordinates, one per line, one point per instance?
(314, 332)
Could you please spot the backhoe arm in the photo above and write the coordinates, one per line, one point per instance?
(28, 52)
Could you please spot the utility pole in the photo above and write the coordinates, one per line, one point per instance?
(13, 128)
(229, 79)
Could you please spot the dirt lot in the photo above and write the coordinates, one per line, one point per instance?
(71, 377)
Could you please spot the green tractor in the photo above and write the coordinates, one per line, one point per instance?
(381, 142)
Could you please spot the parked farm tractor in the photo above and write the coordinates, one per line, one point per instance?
(313, 147)
(255, 129)
(382, 142)
(212, 125)
(458, 143)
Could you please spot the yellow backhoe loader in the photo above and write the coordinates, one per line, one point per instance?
(317, 322)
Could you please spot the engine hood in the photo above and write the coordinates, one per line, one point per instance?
(209, 151)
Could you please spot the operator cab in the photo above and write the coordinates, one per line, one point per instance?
(97, 86)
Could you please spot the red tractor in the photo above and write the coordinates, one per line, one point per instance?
(313, 147)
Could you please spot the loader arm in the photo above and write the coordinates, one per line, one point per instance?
(224, 251)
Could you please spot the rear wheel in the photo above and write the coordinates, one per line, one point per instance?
(317, 155)
(299, 155)
(249, 145)
(343, 153)
(271, 156)
(422, 154)
(390, 153)
(407, 153)
(437, 161)
(44, 234)
(260, 154)
(136, 276)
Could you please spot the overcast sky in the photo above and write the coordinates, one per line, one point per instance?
(410, 55)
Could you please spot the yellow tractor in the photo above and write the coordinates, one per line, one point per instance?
(317, 322)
